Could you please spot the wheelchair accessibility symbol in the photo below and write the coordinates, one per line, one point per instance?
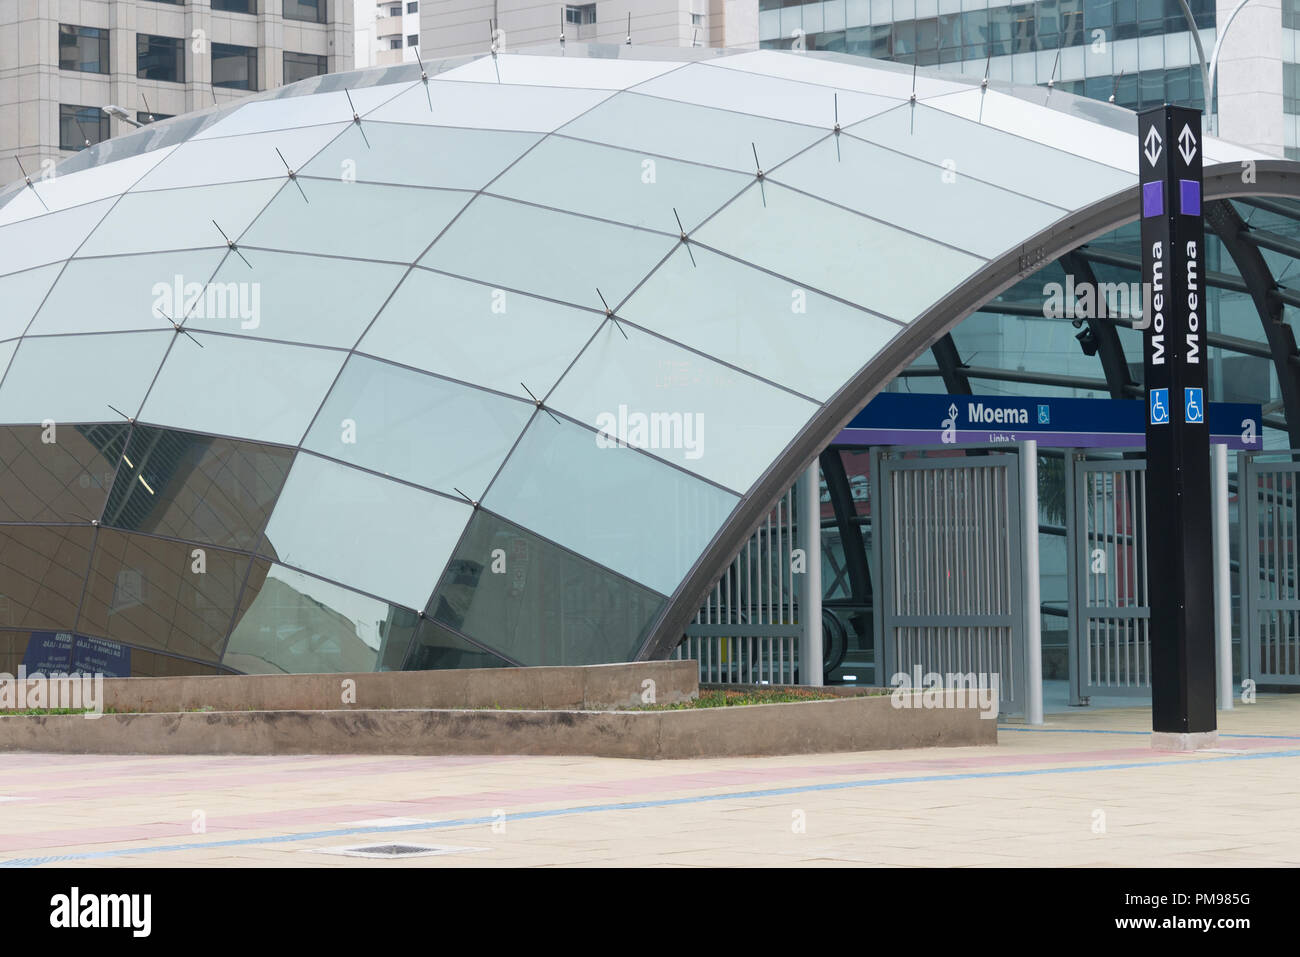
(1159, 406)
(1195, 408)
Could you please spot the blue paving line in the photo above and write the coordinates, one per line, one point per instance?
(633, 806)
(1225, 734)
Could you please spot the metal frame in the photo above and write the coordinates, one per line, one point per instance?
(1282, 604)
(1224, 180)
(1097, 601)
(948, 635)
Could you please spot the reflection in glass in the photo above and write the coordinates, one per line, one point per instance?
(435, 648)
(61, 474)
(42, 574)
(184, 485)
(539, 603)
(170, 596)
(293, 623)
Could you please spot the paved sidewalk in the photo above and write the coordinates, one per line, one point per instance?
(1085, 789)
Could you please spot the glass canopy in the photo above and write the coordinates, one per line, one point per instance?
(379, 372)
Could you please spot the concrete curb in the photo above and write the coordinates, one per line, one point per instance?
(590, 687)
(846, 724)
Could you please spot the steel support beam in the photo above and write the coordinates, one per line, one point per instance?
(1222, 217)
(1109, 349)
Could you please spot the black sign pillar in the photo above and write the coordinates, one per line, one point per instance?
(1178, 440)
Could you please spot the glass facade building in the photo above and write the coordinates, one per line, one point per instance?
(501, 367)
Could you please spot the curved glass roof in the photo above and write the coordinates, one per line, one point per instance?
(476, 368)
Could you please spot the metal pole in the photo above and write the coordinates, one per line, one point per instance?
(810, 522)
(1033, 604)
(1222, 575)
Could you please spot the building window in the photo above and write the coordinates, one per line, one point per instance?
(697, 19)
(234, 67)
(144, 119)
(80, 126)
(413, 40)
(413, 7)
(394, 11)
(300, 66)
(580, 15)
(394, 43)
(159, 58)
(84, 49)
(310, 10)
(235, 6)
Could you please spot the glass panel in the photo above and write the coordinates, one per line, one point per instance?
(754, 320)
(356, 219)
(302, 66)
(479, 334)
(1050, 127)
(83, 49)
(293, 112)
(42, 575)
(681, 407)
(420, 155)
(125, 293)
(436, 648)
(22, 294)
(296, 624)
(560, 484)
(417, 427)
(617, 184)
(232, 159)
(487, 106)
(379, 536)
(57, 475)
(159, 58)
(81, 378)
(1046, 174)
(537, 602)
(706, 85)
(241, 387)
(696, 133)
(81, 127)
(169, 596)
(49, 238)
(234, 67)
(838, 252)
(590, 73)
(578, 255)
(841, 74)
(310, 10)
(73, 189)
(294, 297)
(179, 218)
(181, 485)
(936, 201)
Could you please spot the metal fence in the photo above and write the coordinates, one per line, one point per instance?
(1270, 595)
(747, 630)
(949, 552)
(1111, 641)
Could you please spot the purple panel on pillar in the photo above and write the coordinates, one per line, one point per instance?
(1153, 198)
(1189, 192)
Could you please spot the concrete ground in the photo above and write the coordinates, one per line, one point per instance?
(1085, 789)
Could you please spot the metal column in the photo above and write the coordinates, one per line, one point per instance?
(810, 596)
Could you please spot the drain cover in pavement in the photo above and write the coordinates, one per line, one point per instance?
(388, 851)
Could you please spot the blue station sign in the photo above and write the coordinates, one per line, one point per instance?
(898, 418)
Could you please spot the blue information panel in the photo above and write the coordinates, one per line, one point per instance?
(897, 418)
(63, 652)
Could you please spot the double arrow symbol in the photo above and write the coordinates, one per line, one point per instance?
(1153, 143)
(1187, 144)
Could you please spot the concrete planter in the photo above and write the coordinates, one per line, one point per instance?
(845, 724)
